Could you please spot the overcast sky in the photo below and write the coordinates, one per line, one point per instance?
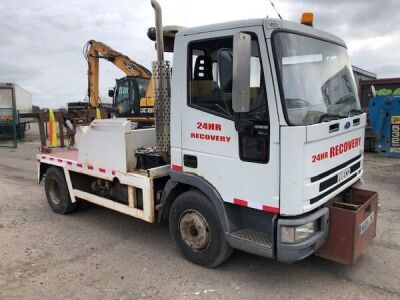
(41, 41)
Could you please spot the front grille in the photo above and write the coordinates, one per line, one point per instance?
(333, 180)
(316, 199)
(337, 168)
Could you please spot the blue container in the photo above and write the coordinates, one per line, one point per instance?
(384, 117)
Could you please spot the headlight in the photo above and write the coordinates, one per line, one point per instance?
(295, 234)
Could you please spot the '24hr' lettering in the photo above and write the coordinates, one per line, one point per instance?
(204, 126)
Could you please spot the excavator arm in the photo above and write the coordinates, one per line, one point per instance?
(93, 51)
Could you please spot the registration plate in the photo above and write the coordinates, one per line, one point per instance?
(366, 223)
(343, 175)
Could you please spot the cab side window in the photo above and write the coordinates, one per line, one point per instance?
(208, 93)
(123, 98)
(204, 89)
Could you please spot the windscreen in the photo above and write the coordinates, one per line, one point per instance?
(316, 79)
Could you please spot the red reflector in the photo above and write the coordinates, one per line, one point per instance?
(79, 165)
(102, 170)
(271, 209)
(240, 202)
(59, 160)
(69, 162)
(177, 168)
(90, 167)
(113, 172)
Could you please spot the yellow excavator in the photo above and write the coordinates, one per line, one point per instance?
(132, 95)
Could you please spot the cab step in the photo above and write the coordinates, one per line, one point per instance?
(256, 238)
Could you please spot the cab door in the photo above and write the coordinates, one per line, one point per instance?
(243, 166)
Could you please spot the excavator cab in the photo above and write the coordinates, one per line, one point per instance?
(130, 99)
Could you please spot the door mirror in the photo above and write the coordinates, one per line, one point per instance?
(111, 93)
(241, 72)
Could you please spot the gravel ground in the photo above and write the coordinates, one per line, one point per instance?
(100, 254)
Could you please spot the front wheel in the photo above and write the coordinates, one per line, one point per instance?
(196, 230)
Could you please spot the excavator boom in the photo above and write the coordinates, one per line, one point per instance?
(95, 50)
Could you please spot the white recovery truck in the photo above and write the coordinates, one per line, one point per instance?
(257, 134)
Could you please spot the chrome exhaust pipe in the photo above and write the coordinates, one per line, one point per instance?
(159, 30)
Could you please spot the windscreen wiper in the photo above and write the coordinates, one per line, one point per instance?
(329, 117)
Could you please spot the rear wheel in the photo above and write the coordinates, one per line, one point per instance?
(57, 193)
(196, 230)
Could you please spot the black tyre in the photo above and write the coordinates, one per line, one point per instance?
(57, 193)
(81, 204)
(196, 230)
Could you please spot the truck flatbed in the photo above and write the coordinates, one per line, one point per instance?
(134, 180)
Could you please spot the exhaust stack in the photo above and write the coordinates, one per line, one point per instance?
(162, 89)
(159, 30)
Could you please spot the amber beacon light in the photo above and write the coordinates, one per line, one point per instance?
(307, 19)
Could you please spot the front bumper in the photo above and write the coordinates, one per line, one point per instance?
(293, 252)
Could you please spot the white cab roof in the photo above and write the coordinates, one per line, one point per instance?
(270, 25)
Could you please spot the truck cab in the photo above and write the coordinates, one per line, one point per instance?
(298, 144)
